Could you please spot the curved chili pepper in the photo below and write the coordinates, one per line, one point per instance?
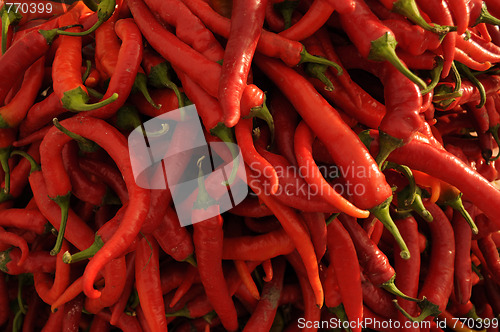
(292, 53)
(37, 261)
(115, 279)
(31, 219)
(408, 271)
(120, 305)
(49, 290)
(20, 57)
(207, 238)
(115, 144)
(66, 75)
(315, 17)
(438, 283)
(412, 38)
(489, 250)
(285, 121)
(83, 188)
(316, 112)
(15, 240)
(147, 275)
(376, 41)
(375, 263)
(108, 52)
(304, 138)
(243, 133)
(377, 299)
(109, 174)
(294, 227)
(258, 248)
(105, 10)
(40, 114)
(463, 271)
(174, 239)
(125, 322)
(347, 272)
(263, 316)
(439, 12)
(13, 113)
(460, 12)
(247, 19)
(315, 222)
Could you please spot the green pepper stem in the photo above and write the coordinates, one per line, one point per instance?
(4, 161)
(88, 65)
(384, 48)
(105, 10)
(159, 77)
(427, 309)
(486, 17)
(140, 84)
(409, 9)
(435, 76)
(391, 287)
(381, 212)
(63, 202)
(184, 312)
(387, 144)
(128, 118)
(9, 17)
(408, 196)
(456, 204)
(76, 100)
(331, 218)
(318, 71)
(226, 135)
(306, 57)
(191, 260)
(419, 208)
(263, 113)
(84, 144)
(286, 8)
(339, 311)
(34, 165)
(84, 254)
(467, 73)
(494, 132)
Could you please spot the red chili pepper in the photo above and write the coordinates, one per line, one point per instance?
(174, 239)
(83, 188)
(147, 275)
(476, 51)
(120, 305)
(375, 41)
(99, 324)
(304, 138)
(439, 12)
(413, 38)
(40, 114)
(49, 290)
(347, 272)
(247, 19)
(115, 144)
(377, 299)
(438, 283)
(12, 114)
(68, 84)
(292, 53)
(408, 271)
(108, 174)
(263, 316)
(37, 261)
(126, 323)
(294, 227)
(312, 311)
(159, 74)
(15, 240)
(31, 220)
(257, 248)
(315, 17)
(115, 278)
(316, 112)
(251, 207)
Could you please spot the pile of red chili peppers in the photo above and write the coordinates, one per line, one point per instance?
(369, 131)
